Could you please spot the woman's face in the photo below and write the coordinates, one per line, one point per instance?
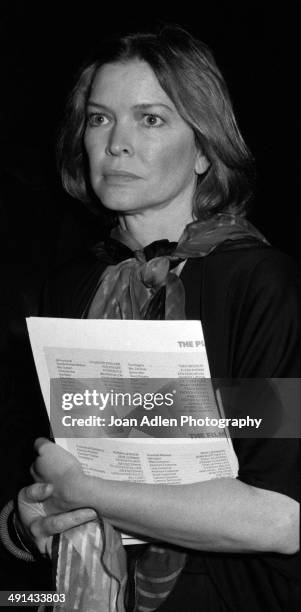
(142, 154)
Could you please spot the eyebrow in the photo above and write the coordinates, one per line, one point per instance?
(143, 106)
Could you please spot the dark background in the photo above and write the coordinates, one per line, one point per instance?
(42, 44)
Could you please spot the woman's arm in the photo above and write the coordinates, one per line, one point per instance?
(221, 515)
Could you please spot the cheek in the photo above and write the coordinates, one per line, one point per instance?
(94, 150)
(175, 157)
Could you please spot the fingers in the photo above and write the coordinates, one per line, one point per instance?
(39, 443)
(50, 525)
(38, 492)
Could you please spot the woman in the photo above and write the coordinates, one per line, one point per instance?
(150, 133)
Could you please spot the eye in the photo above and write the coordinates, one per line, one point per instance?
(150, 120)
(97, 119)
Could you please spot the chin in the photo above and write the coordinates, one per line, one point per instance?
(120, 199)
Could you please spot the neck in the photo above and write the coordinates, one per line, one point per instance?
(150, 225)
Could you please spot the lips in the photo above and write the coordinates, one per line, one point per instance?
(120, 174)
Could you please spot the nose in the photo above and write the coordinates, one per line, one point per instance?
(120, 141)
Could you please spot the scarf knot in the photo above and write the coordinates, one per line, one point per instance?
(154, 273)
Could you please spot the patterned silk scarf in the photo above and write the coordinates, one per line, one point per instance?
(137, 284)
(140, 283)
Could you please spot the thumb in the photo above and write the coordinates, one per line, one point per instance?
(40, 442)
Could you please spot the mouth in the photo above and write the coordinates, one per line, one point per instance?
(120, 176)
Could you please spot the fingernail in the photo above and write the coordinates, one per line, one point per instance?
(38, 489)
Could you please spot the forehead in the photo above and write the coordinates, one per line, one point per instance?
(131, 82)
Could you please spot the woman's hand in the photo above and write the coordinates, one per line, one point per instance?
(57, 467)
(38, 527)
(44, 507)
